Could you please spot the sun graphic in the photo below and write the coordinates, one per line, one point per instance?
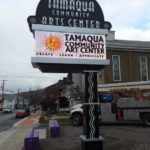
(53, 43)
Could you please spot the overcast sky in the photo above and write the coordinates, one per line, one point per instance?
(129, 18)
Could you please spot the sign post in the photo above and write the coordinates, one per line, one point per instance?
(91, 138)
(70, 37)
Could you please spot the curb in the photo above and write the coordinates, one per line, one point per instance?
(17, 123)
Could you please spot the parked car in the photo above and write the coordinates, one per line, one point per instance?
(22, 113)
(6, 110)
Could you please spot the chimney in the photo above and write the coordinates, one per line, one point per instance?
(111, 36)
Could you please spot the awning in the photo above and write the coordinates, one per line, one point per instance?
(141, 85)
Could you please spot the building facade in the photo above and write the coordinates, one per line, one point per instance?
(129, 65)
(129, 62)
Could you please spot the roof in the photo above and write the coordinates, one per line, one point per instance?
(127, 85)
(129, 45)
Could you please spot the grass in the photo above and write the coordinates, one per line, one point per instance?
(43, 119)
(61, 119)
(64, 120)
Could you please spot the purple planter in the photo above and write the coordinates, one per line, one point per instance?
(35, 141)
(31, 140)
(28, 141)
(54, 128)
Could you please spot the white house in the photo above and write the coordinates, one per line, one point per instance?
(9, 101)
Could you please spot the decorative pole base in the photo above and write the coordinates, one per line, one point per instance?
(91, 144)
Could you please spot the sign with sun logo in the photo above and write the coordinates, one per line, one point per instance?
(70, 45)
(48, 43)
(53, 43)
(70, 35)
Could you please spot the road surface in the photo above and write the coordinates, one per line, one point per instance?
(7, 121)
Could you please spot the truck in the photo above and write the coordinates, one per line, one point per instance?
(126, 109)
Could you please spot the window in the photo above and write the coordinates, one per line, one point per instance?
(143, 68)
(116, 68)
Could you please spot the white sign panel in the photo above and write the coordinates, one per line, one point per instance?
(70, 45)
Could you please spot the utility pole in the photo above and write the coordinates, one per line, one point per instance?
(18, 98)
(3, 88)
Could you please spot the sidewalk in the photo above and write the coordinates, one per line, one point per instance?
(13, 139)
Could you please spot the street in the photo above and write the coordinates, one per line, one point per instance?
(7, 121)
(5, 116)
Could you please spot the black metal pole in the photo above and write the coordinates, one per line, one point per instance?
(90, 138)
